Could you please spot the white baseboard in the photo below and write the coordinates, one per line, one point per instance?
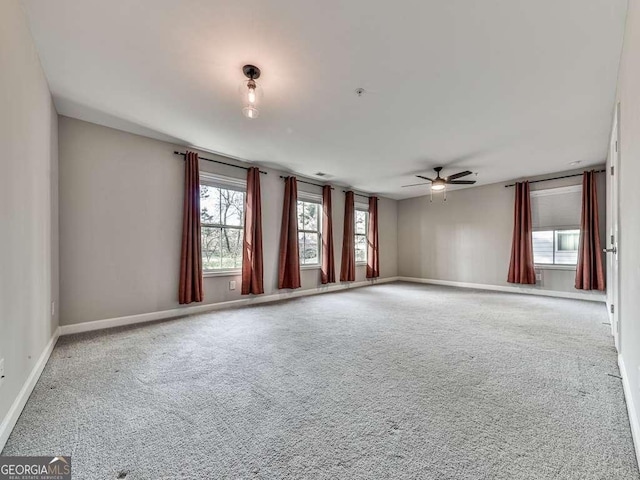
(633, 416)
(179, 312)
(592, 297)
(9, 421)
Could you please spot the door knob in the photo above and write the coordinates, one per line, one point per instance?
(613, 250)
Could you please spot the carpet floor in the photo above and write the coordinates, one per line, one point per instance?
(397, 381)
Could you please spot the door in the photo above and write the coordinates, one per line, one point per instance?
(613, 296)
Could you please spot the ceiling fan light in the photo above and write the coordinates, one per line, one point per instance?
(437, 185)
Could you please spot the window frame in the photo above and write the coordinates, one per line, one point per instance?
(554, 265)
(543, 192)
(226, 183)
(361, 207)
(306, 197)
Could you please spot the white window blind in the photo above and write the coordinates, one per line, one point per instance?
(556, 208)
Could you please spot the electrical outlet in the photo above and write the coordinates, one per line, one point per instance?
(1, 371)
(53, 308)
(232, 285)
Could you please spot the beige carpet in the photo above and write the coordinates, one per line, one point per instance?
(395, 381)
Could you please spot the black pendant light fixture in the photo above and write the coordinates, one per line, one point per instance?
(250, 91)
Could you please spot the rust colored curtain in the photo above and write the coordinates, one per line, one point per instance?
(373, 254)
(348, 266)
(521, 268)
(328, 271)
(190, 287)
(252, 278)
(289, 264)
(589, 274)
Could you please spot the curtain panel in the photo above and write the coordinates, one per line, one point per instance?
(348, 265)
(289, 263)
(521, 269)
(190, 283)
(373, 254)
(328, 270)
(589, 271)
(252, 276)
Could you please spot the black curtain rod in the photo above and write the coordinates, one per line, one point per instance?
(218, 161)
(357, 194)
(303, 181)
(554, 178)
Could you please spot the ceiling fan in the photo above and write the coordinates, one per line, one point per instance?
(440, 183)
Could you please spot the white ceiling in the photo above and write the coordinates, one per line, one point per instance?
(505, 88)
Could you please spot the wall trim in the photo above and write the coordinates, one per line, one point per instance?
(506, 288)
(9, 421)
(633, 416)
(179, 312)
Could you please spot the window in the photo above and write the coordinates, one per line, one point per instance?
(222, 221)
(361, 226)
(556, 247)
(555, 216)
(309, 232)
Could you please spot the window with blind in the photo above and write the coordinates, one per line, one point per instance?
(555, 214)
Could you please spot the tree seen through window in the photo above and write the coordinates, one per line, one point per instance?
(309, 232)
(222, 220)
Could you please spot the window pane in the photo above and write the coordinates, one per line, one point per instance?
(311, 216)
(361, 222)
(310, 253)
(543, 247)
(231, 207)
(567, 242)
(361, 248)
(221, 247)
(209, 204)
(210, 247)
(301, 247)
(568, 239)
(231, 247)
(300, 215)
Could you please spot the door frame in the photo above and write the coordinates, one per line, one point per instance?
(613, 235)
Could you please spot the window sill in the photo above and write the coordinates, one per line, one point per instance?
(555, 267)
(310, 267)
(361, 264)
(223, 273)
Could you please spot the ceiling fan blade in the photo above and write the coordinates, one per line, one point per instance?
(458, 175)
(461, 182)
(414, 185)
(425, 178)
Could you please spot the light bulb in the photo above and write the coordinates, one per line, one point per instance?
(252, 94)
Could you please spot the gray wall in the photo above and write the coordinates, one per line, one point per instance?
(629, 193)
(468, 237)
(121, 219)
(28, 204)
